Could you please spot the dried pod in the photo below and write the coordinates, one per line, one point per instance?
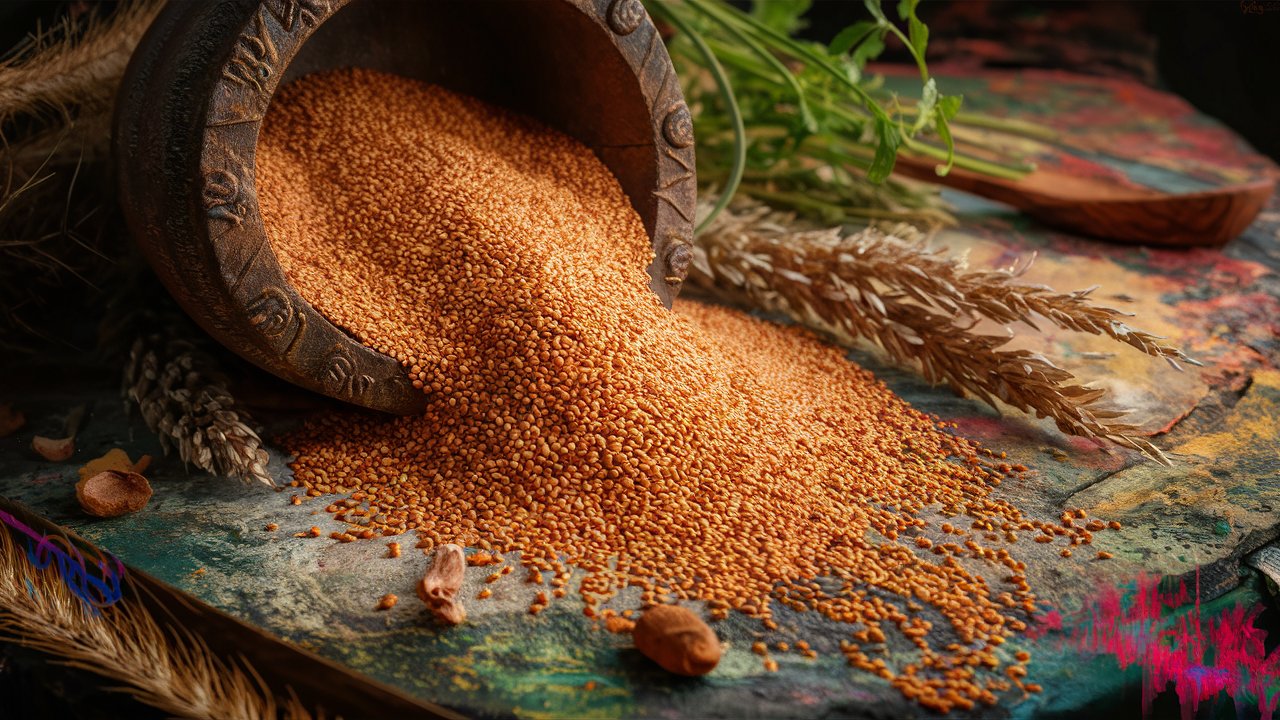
(439, 587)
(114, 459)
(677, 640)
(54, 449)
(112, 493)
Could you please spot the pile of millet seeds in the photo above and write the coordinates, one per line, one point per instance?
(699, 454)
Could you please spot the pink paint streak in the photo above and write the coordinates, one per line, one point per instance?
(1201, 657)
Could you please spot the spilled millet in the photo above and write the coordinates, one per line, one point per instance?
(699, 454)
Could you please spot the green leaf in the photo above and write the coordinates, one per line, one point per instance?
(781, 15)
(851, 37)
(947, 108)
(869, 50)
(917, 37)
(873, 7)
(919, 34)
(944, 132)
(888, 139)
(949, 105)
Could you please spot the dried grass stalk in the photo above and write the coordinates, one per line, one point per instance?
(66, 78)
(184, 399)
(921, 307)
(160, 665)
(57, 91)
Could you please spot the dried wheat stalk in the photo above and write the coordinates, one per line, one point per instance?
(921, 307)
(184, 399)
(162, 666)
(57, 91)
(66, 77)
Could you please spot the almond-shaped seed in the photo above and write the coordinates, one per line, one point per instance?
(677, 640)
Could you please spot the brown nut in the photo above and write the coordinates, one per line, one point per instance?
(53, 449)
(112, 493)
(677, 640)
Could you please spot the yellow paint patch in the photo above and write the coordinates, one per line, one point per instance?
(1251, 426)
(1249, 433)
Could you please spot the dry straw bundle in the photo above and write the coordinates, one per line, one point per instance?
(57, 91)
(921, 307)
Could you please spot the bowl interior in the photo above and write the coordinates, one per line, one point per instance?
(549, 60)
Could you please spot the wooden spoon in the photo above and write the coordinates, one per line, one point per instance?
(1110, 210)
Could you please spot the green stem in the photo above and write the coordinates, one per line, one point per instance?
(806, 200)
(793, 48)
(990, 122)
(731, 107)
(1013, 127)
(985, 167)
(768, 58)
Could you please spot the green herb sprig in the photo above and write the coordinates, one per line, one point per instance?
(801, 125)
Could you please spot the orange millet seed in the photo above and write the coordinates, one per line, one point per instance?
(699, 454)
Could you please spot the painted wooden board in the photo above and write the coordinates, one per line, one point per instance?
(1188, 525)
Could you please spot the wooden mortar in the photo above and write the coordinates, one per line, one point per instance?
(198, 86)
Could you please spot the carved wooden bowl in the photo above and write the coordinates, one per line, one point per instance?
(199, 84)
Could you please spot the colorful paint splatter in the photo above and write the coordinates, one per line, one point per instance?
(1196, 655)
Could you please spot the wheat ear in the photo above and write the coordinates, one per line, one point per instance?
(921, 307)
(162, 666)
